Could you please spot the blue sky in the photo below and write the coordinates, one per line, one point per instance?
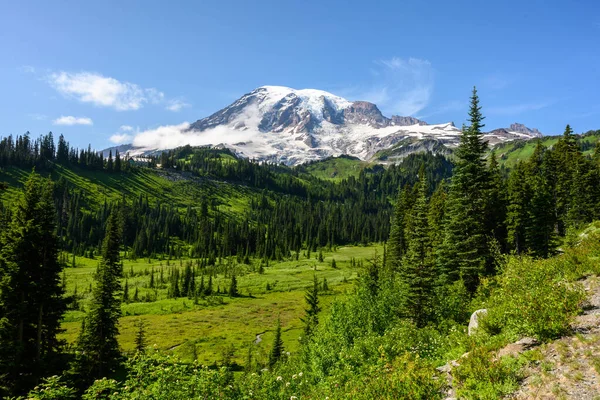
(96, 70)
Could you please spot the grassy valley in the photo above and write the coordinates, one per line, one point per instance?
(214, 325)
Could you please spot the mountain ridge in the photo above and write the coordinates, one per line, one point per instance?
(290, 126)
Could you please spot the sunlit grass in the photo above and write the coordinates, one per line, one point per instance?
(217, 323)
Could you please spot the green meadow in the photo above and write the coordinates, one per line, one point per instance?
(214, 327)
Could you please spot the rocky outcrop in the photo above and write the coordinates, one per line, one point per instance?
(363, 112)
(397, 120)
(516, 127)
(520, 346)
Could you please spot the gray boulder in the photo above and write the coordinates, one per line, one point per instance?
(475, 320)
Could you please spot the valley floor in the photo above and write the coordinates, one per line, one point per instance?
(219, 326)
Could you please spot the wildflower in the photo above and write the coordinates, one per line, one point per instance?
(293, 398)
(294, 376)
(287, 384)
(279, 378)
(300, 374)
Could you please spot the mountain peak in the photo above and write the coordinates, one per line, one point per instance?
(293, 126)
(520, 128)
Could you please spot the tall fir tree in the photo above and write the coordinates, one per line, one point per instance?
(464, 252)
(541, 228)
(277, 349)
(31, 294)
(99, 344)
(496, 205)
(437, 214)
(565, 153)
(396, 247)
(140, 337)
(517, 218)
(311, 318)
(418, 267)
(233, 290)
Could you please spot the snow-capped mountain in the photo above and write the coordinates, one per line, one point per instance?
(292, 126)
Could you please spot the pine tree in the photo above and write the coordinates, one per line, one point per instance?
(233, 292)
(437, 214)
(333, 264)
(140, 337)
(418, 268)
(126, 292)
(325, 285)
(31, 295)
(311, 319)
(397, 241)
(464, 252)
(100, 343)
(519, 196)
(201, 289)
(209, 287)
(118, 166)
(277, 349)
(496, 205)
(540, 230)
(192, 286)
(109, 163)
(151, 285)
(566, 153)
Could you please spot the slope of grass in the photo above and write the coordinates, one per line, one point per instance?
(509, 154)
(168, 187)
(336, 168)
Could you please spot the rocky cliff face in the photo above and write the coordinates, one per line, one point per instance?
(520, 128)
(406, 121)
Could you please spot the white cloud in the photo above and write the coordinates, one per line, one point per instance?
(171, 136)
(70, 120)
(124, 135)
(176, 105)
(400, 86)
(89, 87)
(120, 138)
(518, 108)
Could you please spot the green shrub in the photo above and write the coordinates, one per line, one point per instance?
(533, 298)
(52, 389)
(480, 376)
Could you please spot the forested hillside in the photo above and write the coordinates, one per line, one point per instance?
(451, 237)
